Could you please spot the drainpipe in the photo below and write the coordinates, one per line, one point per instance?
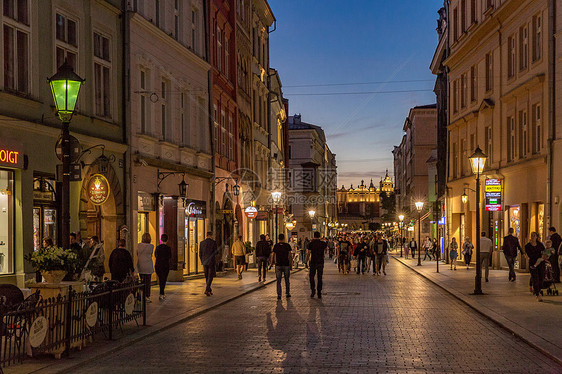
(551, 109)
(126, 125)
(210, 109)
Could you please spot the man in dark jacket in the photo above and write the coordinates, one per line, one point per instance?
(120, 262)
(207, 253)
(361, 254)
(509, 248)
(263, 250)
(315, 259)
(556, 240)
(163, 254)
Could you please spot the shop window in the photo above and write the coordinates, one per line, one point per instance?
(44, 211)
(6, 222)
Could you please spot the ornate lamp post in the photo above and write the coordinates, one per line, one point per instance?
(276, 196)
(65, 86)
(401, 219)
(477, 162)
(419, 207)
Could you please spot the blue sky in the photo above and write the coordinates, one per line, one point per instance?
(390, 43)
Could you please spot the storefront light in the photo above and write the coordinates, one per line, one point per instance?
(183, 187)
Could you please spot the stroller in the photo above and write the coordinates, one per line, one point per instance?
(548, 283)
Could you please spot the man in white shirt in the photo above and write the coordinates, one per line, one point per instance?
(485, 250)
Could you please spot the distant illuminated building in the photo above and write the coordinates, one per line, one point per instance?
(361, 206)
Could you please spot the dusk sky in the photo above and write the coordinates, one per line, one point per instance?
(328, 46)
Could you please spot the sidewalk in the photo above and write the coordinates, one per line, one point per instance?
(509, 304)
(184, 301)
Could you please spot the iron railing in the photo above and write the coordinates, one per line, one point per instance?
(56, 325)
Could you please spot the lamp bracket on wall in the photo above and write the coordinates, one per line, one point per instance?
(165, 174)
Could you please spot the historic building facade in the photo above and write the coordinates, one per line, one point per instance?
(38, 37)
(168, 127)
(360, 208)
(501, 101)
(312, 179)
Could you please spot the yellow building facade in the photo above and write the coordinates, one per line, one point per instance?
(499, 100)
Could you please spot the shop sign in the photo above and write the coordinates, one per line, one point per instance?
(195, 208)
(92, 314)
(251, 212)
(225, 211)
(145, 202)
(493, 194)
(129, 304)
(11, 155)
(38, 331)
(98, 189)
(262, 215)
(43, 195)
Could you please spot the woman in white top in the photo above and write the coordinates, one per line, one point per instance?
(145, 266)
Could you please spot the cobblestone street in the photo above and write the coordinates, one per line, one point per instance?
(397, 323)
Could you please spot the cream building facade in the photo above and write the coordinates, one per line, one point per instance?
(169, 137)
(500, 100)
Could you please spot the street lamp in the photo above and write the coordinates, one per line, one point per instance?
(419, 207)
(464, 198)
(477, 162)
(65, 86)
(401, 219)
(276, 196)
(311, 214)
(182, 187)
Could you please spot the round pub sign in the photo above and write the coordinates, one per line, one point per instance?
(98, 189)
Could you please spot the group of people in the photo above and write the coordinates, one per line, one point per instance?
(359, 252)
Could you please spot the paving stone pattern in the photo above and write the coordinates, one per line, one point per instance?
(400, 323)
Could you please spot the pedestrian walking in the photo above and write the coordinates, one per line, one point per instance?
(239, 253)
(343, 255)
(510, 247)
(163, 255)
(120, 262)
(207, 254)
(361, 252)
(556, 243)
(406, 250)
(302, 251)
(380, 249)
(281, 256)
(315, 260)
(331, 248)
(263, 251)
(413, 247)
(427, 245)
(467, 249)
(145, 267)
(453, 254)
(485, 253)
(533, 251)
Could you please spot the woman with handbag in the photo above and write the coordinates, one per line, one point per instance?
(453, 253)
(145, 266)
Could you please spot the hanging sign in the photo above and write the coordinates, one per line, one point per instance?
(38, 331)
(92, 314)
(493, 194)
(98, 189)
(129, 304)
(251, 212)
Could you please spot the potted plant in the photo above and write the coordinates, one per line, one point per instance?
(53, 262)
